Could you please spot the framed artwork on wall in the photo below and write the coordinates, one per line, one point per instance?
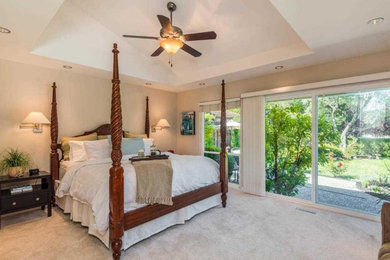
(187, 123)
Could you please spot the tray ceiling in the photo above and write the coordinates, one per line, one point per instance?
(253, 36)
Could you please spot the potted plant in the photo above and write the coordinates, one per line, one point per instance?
(15, 162)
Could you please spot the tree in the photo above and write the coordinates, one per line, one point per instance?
(288, 145)
(344, 113)
(235, 138)
(209, 119)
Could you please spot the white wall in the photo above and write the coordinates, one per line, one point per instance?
(84, 102)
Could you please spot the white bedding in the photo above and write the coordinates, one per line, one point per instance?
(88, 182)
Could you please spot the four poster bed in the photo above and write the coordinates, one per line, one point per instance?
(121, 220)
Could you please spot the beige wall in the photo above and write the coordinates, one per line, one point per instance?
(83, 103)
(189, 100)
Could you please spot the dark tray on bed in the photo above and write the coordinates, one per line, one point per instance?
(149, 158)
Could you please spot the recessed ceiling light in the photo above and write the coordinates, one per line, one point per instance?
(279, 67)
(376, 20)
(4, 30)
(67, 67)
(202, 84)
(148, 84)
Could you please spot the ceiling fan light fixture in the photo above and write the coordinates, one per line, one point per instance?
(171, 46)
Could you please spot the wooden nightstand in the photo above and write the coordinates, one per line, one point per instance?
(39, 196)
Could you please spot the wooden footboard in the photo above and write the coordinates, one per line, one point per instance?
(142, 215)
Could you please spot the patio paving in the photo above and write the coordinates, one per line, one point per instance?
(344, 198)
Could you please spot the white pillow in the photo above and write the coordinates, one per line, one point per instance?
(97, 150)
(147, 144)
(77, 151)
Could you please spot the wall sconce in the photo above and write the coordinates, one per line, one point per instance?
(162, 123)
(35, 120)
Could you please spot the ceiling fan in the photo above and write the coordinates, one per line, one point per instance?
(172, 38)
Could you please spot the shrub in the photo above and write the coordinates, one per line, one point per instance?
(230, 161)
(330, 149)
(235, 138)
(212, 148)
(337, 168)
(374, 146)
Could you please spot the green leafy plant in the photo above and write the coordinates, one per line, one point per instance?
(288, 145)
(230, 161)
(209, 131)
(15, 158)
(235, 138)
(288, 149)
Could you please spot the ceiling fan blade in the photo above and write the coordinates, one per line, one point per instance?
(165, 22)
(200, 36)
(157, 52)
(140, 37)
(191, 50)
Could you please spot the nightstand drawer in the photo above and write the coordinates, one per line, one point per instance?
(23, 201)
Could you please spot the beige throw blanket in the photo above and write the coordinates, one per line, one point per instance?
(154, 181)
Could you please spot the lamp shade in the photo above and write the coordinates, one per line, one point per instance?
(163, 123)
(36, 118)
(171, 46)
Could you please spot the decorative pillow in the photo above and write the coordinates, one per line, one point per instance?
(130, 135)
(130, 145)
(65, 142)
(77, 151)
(147, 144)
(97, 150)
(102, 137)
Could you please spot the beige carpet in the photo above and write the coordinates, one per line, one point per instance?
(249, 228)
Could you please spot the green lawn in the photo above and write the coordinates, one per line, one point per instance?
(361, 169)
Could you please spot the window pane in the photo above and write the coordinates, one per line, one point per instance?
(354, 158)
(288, 147)
(212, 139)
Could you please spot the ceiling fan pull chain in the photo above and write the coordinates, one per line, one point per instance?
(170, 60)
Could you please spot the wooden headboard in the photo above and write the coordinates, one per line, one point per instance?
(101, 130)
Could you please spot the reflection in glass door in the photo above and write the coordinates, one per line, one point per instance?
(288, 147)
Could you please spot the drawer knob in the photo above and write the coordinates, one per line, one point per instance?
(37, 199)
(13, 203)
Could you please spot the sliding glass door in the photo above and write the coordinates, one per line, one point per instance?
(354, 170)
(288, 147)
(332, 149)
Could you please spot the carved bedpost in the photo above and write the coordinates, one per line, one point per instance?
(54, 162)
(147, 124)
(116, 171)
(222, 158)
